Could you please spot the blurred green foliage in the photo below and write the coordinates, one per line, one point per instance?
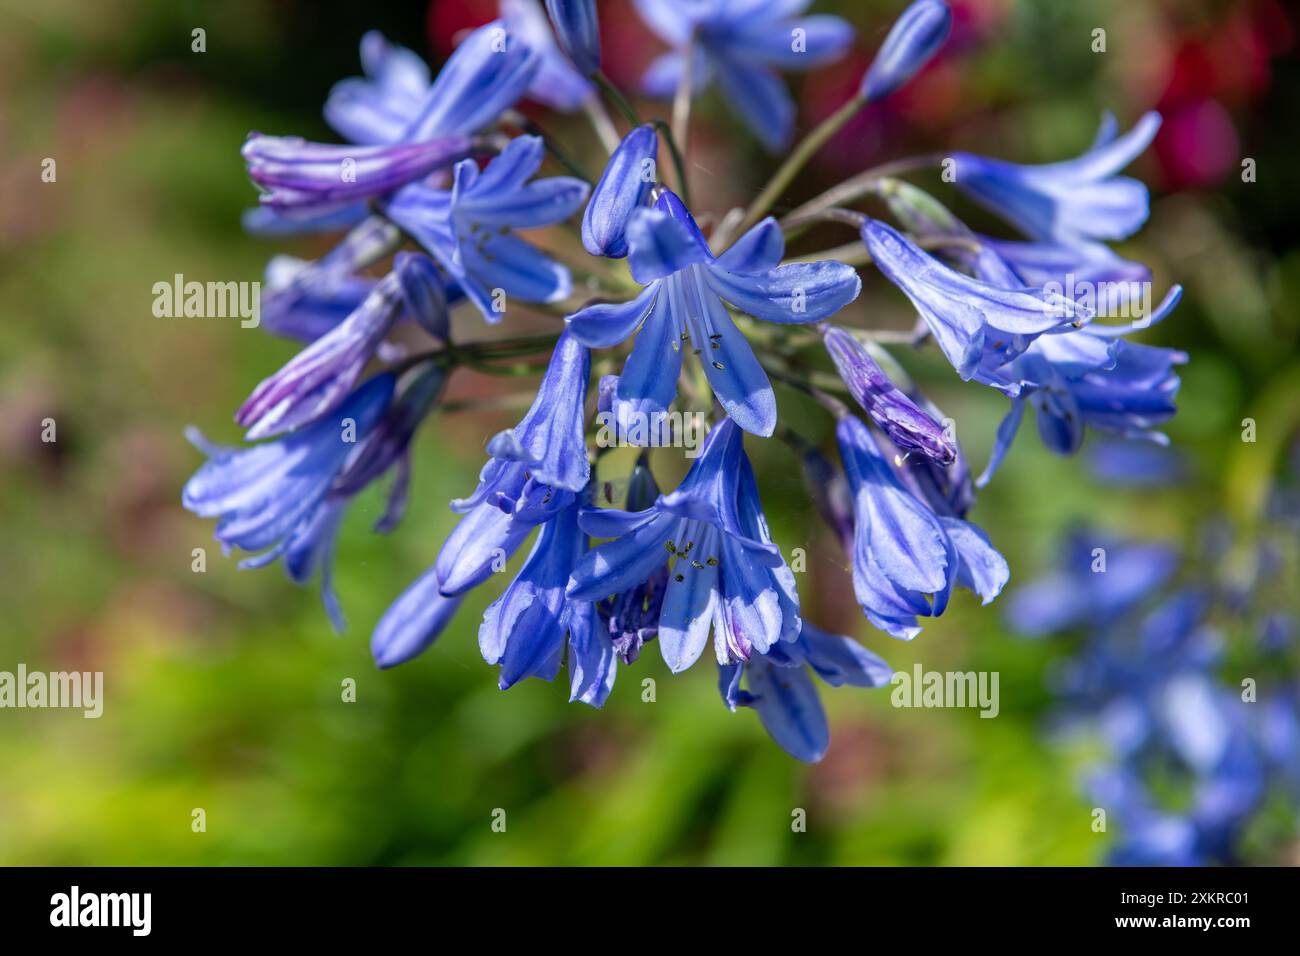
(224, 688)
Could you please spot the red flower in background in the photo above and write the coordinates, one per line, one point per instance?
(1213, 70)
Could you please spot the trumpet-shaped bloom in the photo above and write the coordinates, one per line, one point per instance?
(282, 497)
(524, 630)
(534, 473)
(469, 228)
(779, 687)
(296, 173)
(1077, 202)
(1092, 378)
(906, 558)
(726, 574)
(395, 103)
(741, 44)
(682, 304)
(912, 41)
(1101, 578)
(970, 320)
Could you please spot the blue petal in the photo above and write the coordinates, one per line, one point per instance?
(758, 250)
(1006, 434)
(477, 547)
(593, 664)
(478, 82)
(659, 244)
(981, 568)
(578, 31)
(761, 99)
(413, 621)
(523, 629)
(795, 293)
(841, 660)
(550, 438)
(512, 265)
(689, 603)
(664, 74)
(789, 707)
(904, 538)
(624, 562)
(648, 382)
(380, 107)
(624, 186)
(604, 325)
(825, 38)
(738, 380)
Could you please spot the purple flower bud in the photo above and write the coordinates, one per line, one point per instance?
(914, 38)
(321, 375)
(907, 426)
(624, 186)
(578, 31)
(297, 173)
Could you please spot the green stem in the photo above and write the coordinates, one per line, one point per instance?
(679, 164)
(617, 98)
(814, 141)
(682, 102)
(594, 107)
(531, 126)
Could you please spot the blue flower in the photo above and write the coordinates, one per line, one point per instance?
(631, 617)
(535, 472)
(379, 108)
(1092, 378)
(1101, 578)
(296, 173)
(912, 41)
(682, 302)
(907, 425)
(779, 687)
(740, 44)
(906, 558)
(578, 30)
(281, 497)
(978, 325)
(1076, 202)
(394, 102)
(727, 576)
(468, 229)
(524, 630)
(624, 187)
(557, 84)
(1144, 464)
(320, 376)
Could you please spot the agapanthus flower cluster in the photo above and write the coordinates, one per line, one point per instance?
(679, 309)
(1183, 686)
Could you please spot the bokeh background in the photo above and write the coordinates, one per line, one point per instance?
(223, 688)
